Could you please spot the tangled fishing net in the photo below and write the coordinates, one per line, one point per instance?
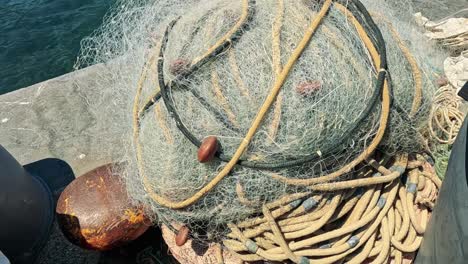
(318, 109)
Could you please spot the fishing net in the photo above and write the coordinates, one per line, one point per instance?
(300, 96)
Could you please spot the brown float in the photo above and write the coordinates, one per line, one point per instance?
(192, 252)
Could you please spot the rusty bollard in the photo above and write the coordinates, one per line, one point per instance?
(94, 211)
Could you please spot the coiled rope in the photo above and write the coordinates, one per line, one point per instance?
(445, 118)
(381, 221)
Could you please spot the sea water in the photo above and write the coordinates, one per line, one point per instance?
(40, 39)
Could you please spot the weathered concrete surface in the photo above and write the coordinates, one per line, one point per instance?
(53, 119)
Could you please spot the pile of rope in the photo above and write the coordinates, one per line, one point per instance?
(372, 217)
(377, 217)
(446, 118)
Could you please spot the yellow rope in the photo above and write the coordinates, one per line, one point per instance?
(276, 56)
(436, 180)
(263, 226)
(445, 118)
(289, 231)
(417, 77)
(221, 98)
(357, 213)
(368, 231)
(276, 36)
(344, 230)
(163, 124)
(416, 243)
(404, 212)
(237, 75)
(415, 70)
(391, 221)
(228, 35)
(398, 220)
(394, 219)
(382, 249)
(354, 183)
(319, 224)
(219, 254)
(279, 235)
(289, 224)
(413, 177)
(383, 117)
(242, 197)
(398, 257)
(285, 209)
(361, 257)
(386, 242)
(350, 204)
(136, 100)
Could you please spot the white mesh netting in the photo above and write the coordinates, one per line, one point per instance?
(324, 95)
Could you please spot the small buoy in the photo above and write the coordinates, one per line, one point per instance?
(182, 236)
(442, 81)
(208, 149)
(179, 66)
(308, 88)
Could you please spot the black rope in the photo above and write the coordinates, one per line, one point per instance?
(361, 14)
(178, 82)
(165, 90)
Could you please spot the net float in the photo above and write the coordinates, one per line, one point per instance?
(308, 88)
(179, 66)
(182, 236)
(208, 149)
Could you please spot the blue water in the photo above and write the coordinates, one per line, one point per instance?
(40, 39)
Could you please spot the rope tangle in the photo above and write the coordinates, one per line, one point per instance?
(383, 221)
(373, 216)
(445, 118)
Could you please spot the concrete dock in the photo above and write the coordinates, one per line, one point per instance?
(52, 119)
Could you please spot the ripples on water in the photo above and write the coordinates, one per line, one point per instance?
(40, 39)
